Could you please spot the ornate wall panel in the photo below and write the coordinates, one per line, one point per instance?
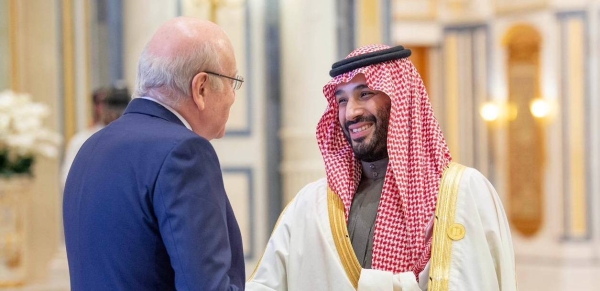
(525, 142)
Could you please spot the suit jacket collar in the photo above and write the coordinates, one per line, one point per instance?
(148, 107)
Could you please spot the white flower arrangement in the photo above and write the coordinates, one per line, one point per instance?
(23, 135)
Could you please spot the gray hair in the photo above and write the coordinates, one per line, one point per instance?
(175, 74)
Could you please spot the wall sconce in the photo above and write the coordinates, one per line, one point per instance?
(490, 111)
(498, 111)
(540, 108)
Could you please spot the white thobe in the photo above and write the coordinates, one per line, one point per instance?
(301, 253)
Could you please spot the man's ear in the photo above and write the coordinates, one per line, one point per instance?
(199, 86)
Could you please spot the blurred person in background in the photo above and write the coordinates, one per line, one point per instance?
(108, 104)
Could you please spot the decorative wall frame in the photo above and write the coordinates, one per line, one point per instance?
(466, 63)
(239, 183)
(576, 116)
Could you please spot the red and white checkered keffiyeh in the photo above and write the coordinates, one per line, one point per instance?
(418, 155)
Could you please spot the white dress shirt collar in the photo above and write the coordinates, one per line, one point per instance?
(172, 111)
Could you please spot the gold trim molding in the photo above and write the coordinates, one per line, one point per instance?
(428, 10)
(574, 100)
(87, 10)
(68, 39)
(369, 24)
(13, 36)
(518, 6)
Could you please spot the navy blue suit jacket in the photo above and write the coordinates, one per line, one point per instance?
(145, 209)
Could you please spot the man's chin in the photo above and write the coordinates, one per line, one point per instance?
(358, 144)
(359, 141)
(361, 149)
(220, 134)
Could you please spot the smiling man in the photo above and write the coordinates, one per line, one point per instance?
(394, 212)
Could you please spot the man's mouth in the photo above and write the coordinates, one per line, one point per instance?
(359, 133)
(362, 128)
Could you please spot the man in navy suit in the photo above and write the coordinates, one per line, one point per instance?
(144, 203)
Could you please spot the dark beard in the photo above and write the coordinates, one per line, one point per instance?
(376, 149)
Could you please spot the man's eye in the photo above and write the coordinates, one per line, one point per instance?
(366, 94)
(342, 100)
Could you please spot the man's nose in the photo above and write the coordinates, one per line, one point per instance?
(354, 109)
